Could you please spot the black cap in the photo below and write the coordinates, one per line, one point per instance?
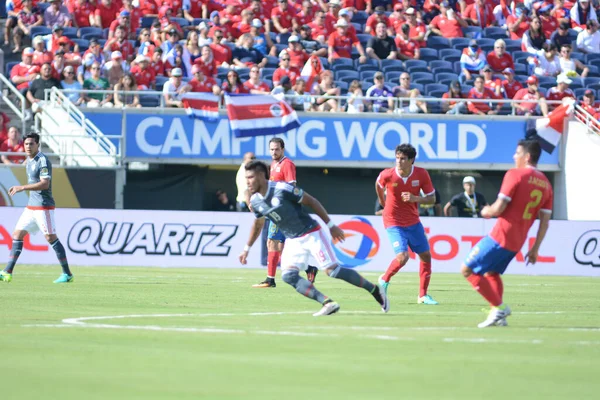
(285, 81)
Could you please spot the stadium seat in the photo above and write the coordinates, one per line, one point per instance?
(440, 63)
(436, 93)
(466, 89)
(433, 87)
(594, 71)
(82, 43)
(42, 7)
(181, 21)
(370, 61)
(367, 76)
(472, 32)
(360, 17)
(506, 109)
(8, 67)
(269, 82)
(417, 86)
(90, 30)
(579, 93)
(70, 31)
(363, 38)
(578, 56)
(324, 62)
(343, 61)
(368, 67)
(520, 69)
(389, 63)
(149, 101)
(90, 36)
(147, 22)
(393, 76)
(438, 42)
(283, 38)
(105, 32)
(265, 73)
(341, 67)
(102, 42)
(590, 57)
(451, 59)
(590, 81)
(495, 32)
(342, 85)
(358, 27)
(39, 30)
(365, 86)
(449, 52)
(513, 42)
(409, 64)
(272, 61)
(429, 54)
(446, 76)
(422, 75)
(512, 48)
(343, 74)
(423, 81)
(71, 35)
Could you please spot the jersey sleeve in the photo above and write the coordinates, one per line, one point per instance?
(426, 184)
(382, 179)
(454, 200)
(289, 172)
(44, 170)
(547, 205)
(256, 213)
(292, 193)
(509, 186)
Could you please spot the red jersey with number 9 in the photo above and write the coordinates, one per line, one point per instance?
(528, 192)
(397, 212)
(283, 170)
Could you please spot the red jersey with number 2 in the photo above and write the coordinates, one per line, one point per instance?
(528, 192)
(283, 170)
(397, 212)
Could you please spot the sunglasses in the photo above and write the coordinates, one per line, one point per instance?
(285, 59)
(94, 68)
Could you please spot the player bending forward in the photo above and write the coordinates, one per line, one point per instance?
(525, 194)
(281, 203)
(403, 185)
(39, 214)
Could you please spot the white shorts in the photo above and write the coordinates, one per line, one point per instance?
(298, 251)
(33, 221)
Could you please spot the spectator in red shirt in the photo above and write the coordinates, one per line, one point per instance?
(255, 86)
(259, 11)
(148, 8)
(417, 29)
(120, 43)
(283, 18)
(4, 120)
(285, 69)
(510, 84)
(560, 91)
(408, 49)
(494, 84)
(157, 63)
(533, 102)
(396, 19)
(40, 54)
(207, 62)
(454, 106)
(340, 44)
(201, 83)
(24, 72)
(221, 52)
(518, 22)
(549, 23)
(144, 75)
(499, 59)
(194, 9)
(333, 14)
(479, 14)
(27, 18)
(244, 25)
(375, 18)
(215, 18)
(123, 20)
(480, 92)
(298, 56)
(13, 144)
(589, 104)
(233, 83)
(448, 23)
(135, 15)
(83, 13)
(105, 13)
(319, 30)
(306, 15)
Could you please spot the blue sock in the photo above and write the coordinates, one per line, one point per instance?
(15, 252)
(61, 254)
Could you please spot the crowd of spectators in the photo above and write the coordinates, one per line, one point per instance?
(10, 142)
(348, 55)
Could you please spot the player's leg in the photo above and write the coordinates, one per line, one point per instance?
(25, 224)
(45, 223)
(417, 241)
(275, 243)
(293, 260)
(399, 242)
(495, 281)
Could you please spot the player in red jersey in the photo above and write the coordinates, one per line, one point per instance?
(282, 170)
(402, 185)
(525, 194)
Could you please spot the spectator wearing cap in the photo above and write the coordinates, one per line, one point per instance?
(262, 41)
(532, 101)
(122, 99)
(417, 29)
(510, 85)
(106, 10)
(498, 59)
(490, 82)
(144, 76)
(285, 69)
(283, 18)
(560, 91)
(561, 35)
(36, 94)
(533, 39)
(480, 92)
(174, 88)
(120, 43)
(58, 65)
(408, 49)
(347, 15)
(581, 13)
(382, 98)
(518, 22)
(71, 57)
(52, 39)
(207, 62)
(285, 92)
(467, 204)
(221, 52)
(57, 14)
(340, 44)
(310, 45)
(135, 16)
(375, 18)
(115, 68)
(201, 83)
(202, 32)
(448, 23)
(27, 18)
(480, 14)
(172, 39)
(545, 62)
(84, 71)
(397, 19)
(325, 89)
(453, 105)
(306, 14)
(71, 84)
(472, 60)
(233, 84)
(549, 22)
(298, 56)
(123, 20)
(403, 92)
(25, 71)
(246, 55)
(13, 144)
(82, 12)
(222, 202)
(319, 28)
(382, 47)
(193, 9)
(333, 14)
(40, 54)
(570, 65)
(589, 104)
(254, 85)
(588, 40)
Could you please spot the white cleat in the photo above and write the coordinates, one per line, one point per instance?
(494, 317)
(503, 322)
(328, 309)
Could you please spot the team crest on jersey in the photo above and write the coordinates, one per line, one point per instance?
(44, 171)
(276, 110)
(296, 191)
(275, 202)
(415, 183)
(394, 184)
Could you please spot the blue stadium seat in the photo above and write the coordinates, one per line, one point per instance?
(70, 31)
(438, 70)
(105, 32)
(181, 21)
(392, 68)
(451, 59)
(342, 85)
(368, 67)
(409, 64)
(520, 69)
(71, 35)
(440, 63)
(466, 89)
(367, 76)
(578, 56)
(486, 42)
(102, 42)
(438, 42)
(442, 77)
(512, 48)
(589, 81)
(370, 61)
(358, 27)
(266, 73)
(420, 75)
(429, 54)
(147, 22)
(39, 30)
(90, 36)
(495, 32)
(363, 38)
(278, 48)
(8, 67)
(324, 62)
(343, 74)
(590, 57)
(90, 30)
(389, 63)
(149, 101)
(432, 87)
(579, 93)
(42, 7)
(348, 79)
(437, 93)
(272, 61)
(457, 67)
(366, 85)
(472, 32)
(360, 17)
(343, 61)
(392, 76)
(269, 83)
(82, 43)
(417, 86)
(340, 67)
(198, 21)
(449, 52)
(283, 38)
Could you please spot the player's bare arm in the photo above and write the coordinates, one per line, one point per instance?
(495, 210)
(43, 184)
(380, 194)
(336, 233)
(255, 231)
(408, 197)
(531, 256)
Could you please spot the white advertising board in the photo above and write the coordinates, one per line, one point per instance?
(211, 239)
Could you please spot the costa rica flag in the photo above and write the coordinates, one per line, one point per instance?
(548, 131)
(203, 106)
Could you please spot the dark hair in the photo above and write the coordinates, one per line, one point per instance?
(34, 136)
(408, 150)
(258, 166)
(278, 140)
(533, 148)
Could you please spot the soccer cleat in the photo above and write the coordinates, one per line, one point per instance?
(311, 273)
(381, 297)
(427, 299)
(5, 276)
(64, 278)
(267, 283)
(494, 318)
(328, 308)
(383, 285)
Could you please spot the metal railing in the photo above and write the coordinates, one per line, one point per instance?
(587, 119)
(7, 89)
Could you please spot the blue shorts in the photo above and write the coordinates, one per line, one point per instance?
(403, 237)
(489, 256)
(275, 233)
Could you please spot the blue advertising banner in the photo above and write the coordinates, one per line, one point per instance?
(339, 139)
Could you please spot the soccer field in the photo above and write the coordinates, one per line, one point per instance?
(141, 333)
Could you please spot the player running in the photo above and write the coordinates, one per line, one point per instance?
(39, 214)
(282, 170)
(282, 203)
(524, 195)
(403, 185)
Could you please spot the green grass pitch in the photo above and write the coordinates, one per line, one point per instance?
(206, 334)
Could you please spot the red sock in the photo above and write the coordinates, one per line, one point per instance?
(392, 270)
(495, 282)
(272, 262)
(485, 289)
(424, 277)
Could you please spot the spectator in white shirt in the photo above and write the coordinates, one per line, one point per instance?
(588, 40)
(174, 88)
